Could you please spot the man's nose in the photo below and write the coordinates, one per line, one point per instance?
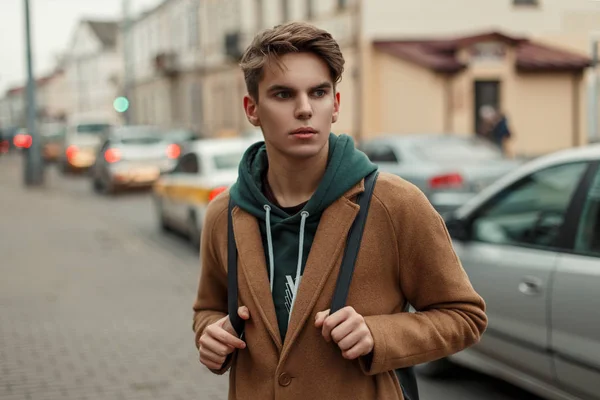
(303, 107)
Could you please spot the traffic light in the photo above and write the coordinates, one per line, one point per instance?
(121, 104)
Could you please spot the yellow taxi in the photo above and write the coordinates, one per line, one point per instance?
(205, 168)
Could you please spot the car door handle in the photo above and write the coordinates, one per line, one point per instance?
(530, 286)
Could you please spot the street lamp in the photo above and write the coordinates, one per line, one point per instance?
(34, 167)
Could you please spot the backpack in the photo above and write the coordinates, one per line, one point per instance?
(406, 376)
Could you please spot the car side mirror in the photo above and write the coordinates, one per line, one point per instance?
(458, 229)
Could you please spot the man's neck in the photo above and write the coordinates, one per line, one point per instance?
(294, 181)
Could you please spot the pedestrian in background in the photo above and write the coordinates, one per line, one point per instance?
(294, 204)
(496, 129)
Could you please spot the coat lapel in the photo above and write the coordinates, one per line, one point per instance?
(254, 269)
(328, 246)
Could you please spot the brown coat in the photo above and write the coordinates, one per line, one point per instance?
(406, 256)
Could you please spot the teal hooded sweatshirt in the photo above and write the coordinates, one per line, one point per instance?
(287, 239)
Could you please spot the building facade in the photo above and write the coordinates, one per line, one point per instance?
(93, 68)
(186, 57)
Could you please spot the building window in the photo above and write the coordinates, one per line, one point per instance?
(285, 10)
(526, 2)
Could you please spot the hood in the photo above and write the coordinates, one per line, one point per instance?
(346, 166)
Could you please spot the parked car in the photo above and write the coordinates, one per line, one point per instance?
(53, 136)
(132, 156)
(448, 168)
(207, 168)
(530, 244)
(83, 138)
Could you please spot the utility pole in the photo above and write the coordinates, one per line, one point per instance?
(127, 72)
(34, 167)
(593, 92)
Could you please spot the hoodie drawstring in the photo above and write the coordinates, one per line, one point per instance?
(304, 215)
(270, 245)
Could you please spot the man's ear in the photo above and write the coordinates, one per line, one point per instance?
(336, 108)
(251, 109)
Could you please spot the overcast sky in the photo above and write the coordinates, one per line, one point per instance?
(53, 23)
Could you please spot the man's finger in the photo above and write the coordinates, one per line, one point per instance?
(344, 329)
(209, 355)
(349, 341)
(244, 313)
(320, 318)
(227, 335)
(211, 344)
(209, 363)
(332, 321)
(358, 350)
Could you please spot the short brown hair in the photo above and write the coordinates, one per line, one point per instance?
(293, 37)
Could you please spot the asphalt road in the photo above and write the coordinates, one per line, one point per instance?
(172, 263)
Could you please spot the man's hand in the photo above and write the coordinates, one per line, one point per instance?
(219, 340)
(348, 329)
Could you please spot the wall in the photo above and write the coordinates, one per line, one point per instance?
(541, 112)
(385, 18)
(411, 98)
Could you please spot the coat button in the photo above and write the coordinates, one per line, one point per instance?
(285, 379)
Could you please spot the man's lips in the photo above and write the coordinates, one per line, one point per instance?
(303, 132)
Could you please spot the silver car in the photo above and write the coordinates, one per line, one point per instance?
(131, 157)
(530, 244)
(449, 169)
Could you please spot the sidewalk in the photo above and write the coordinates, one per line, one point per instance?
(87, 311)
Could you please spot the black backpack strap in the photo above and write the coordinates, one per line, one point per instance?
(406, 376)
(353, 245)
(232, 276)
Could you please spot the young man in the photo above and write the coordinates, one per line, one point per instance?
(295, 203)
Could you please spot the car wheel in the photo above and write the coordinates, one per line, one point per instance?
(435, 369)
(162, 221)
(97, 186)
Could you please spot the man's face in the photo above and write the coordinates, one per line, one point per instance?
(296, 107)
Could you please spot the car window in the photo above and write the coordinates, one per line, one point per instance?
(188, 164)
(381, 153)
(532, 211)
(587, 240)
(227, 161)
(92, 129)
(454, 149)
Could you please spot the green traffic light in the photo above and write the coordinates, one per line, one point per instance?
(121, 104)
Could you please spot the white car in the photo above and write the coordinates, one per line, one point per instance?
(206, 168)
(530, 244)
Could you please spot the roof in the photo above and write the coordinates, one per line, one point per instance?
(440, 55)
(106, 31)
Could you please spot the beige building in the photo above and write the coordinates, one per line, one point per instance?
(186, 55)
(440, 84)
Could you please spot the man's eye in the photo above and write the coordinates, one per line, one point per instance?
(320, 93)
(283, 95)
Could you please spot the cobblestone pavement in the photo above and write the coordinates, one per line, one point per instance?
(87, 309)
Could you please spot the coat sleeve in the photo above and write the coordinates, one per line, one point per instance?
(450, 315)
(210, 304)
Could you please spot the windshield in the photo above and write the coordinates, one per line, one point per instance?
(457, 150)
(180, 136)
(137, 135)
(227, 161)
(92, 129)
